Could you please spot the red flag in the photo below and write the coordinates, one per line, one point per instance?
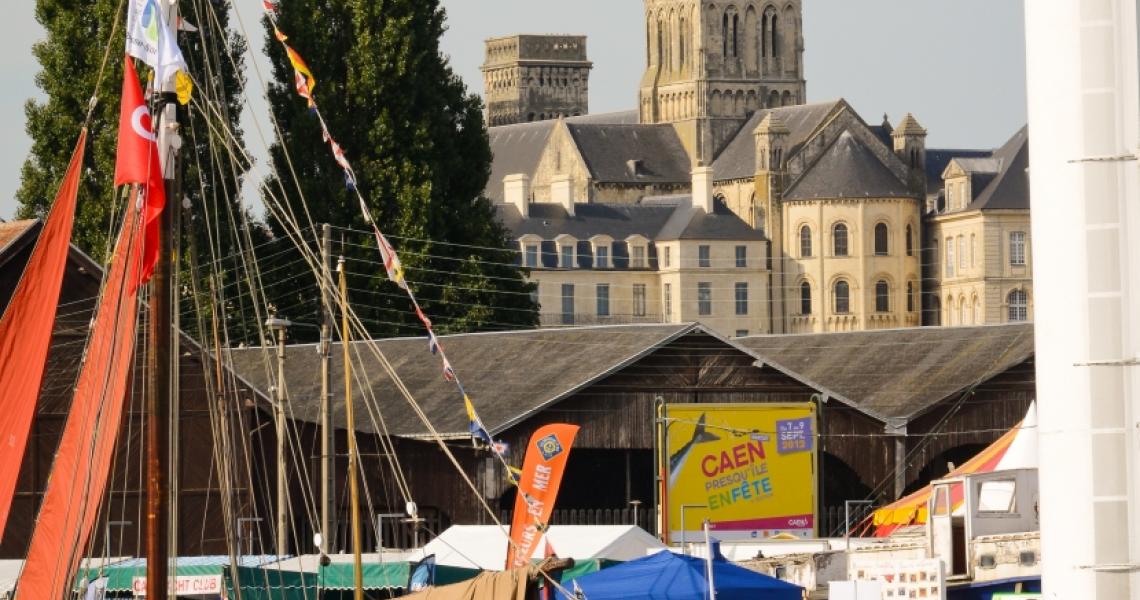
(538, 488)
(137, 162)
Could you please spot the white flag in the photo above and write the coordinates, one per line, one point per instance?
(151, 39)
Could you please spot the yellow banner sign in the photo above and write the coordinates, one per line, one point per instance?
(750, 469)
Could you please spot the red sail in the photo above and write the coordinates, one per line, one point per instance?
(79, 475)
(25, 331)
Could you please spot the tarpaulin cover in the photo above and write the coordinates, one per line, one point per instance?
(483, 546)
(1016, 449)
(669, 576)
(490, 585)
(338, 576)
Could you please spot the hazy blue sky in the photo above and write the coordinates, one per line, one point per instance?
(958, 65)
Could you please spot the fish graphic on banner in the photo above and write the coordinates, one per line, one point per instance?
(545, 462)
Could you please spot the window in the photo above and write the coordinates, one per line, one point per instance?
(603, 292)
(909, 241)
(839, 240)
(842, 297)
(703, 259)
(973, 249)
(531, 256)
(567, 257)
(963, 257)
(704, 298)
(934, 252)
(637, 257)
(949, 257)
(668, 256)
(882, 296)
(741, 333)
(1017, 248)
(805, 241)
(602, 257)
(909, 296)
(568, 304)
(881, 239)
(805, 298)
(639, 299)
(667, 299)
(741, 257)
(1018, 306)
(741, 298)
(999, 496)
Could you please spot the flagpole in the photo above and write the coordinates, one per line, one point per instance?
(160, 368)
(345, 337)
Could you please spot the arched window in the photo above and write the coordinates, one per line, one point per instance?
(839, 239)
(775, 39)
(684, 33)
(962, 310)
(805, 241)
(1018, 306)
(882, 296)
(909, 241)
(660, 44)
(764, 33)
(842, 297)
(805, 298)
(881, 239)
(724, 36)
(910, 296)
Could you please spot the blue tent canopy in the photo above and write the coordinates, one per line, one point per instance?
(669, 576)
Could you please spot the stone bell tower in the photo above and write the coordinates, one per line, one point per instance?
(711, 64)
(535, 78)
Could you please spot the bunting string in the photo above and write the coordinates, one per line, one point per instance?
(305, 82)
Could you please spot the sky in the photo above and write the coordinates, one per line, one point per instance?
(962, 76)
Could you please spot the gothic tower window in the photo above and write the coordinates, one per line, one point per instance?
(724, 36)
(775, 38)
(735, 36)
(684, 33)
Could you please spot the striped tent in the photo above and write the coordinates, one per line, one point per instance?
(1016, 449)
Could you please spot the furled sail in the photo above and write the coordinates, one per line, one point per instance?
(82, 464)
(26, 328)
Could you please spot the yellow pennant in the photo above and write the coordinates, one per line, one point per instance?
(183, 86)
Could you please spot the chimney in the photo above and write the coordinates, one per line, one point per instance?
(703, 188)
(516, 190)
(562, 192)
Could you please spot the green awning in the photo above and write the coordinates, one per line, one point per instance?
(272, 584)
(339, 576)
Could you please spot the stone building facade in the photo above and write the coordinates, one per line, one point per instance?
(854, 216)
(535, 77)
(980, 265)
(711, 63)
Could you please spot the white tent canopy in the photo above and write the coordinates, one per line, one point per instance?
(485, 546)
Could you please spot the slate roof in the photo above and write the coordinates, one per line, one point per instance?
(897, 373)
(847, 169)
(1009, 188)
(517, 148)
(487, 363)
(659, 218)
(607, 149)
(738, 159)
(937, 160)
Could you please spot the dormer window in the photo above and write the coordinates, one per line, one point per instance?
(567, 251)
(531, 247)
(638, 251)
(603, 251)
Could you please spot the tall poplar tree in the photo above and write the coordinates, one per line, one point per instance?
(419, 147)
(70, 58)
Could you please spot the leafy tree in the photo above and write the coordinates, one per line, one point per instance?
(417, 141)
(70, 57)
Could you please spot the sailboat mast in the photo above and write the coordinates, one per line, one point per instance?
(328, 439)
(357, 567)
(160, 369)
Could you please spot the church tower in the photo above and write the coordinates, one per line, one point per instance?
(535, 78)
(710, 64)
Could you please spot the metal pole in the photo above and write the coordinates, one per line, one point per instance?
(279, 326)
(328, 433)
(709, 561)
(345, 338)
(160, 364)
(685, 550)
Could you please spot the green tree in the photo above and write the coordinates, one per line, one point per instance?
(417, 141)
(70, 57)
